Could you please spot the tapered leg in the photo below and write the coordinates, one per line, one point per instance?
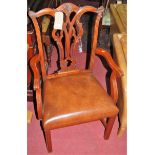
(108, 128)
(48, 140)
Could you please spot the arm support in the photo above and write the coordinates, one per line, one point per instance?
(36, 85)
(116, 72)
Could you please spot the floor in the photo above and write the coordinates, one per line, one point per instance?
(84, 139)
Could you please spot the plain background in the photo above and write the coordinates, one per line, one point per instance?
(13, 74)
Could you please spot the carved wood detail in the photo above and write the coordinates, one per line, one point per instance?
(71, 32)
(116, 72)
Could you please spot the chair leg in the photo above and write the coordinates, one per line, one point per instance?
(108, 128)
(48, 140)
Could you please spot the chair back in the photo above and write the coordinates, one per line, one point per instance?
(69, 36)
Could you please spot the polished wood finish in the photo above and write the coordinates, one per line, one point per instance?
(72, 96)
(109, 127)
(118, 33)
(119, 42)
(48, 140)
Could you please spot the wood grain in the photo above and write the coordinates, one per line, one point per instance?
(120, 56)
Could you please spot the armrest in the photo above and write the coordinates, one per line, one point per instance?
(116, 72)
(33, 64)
(36, 84)
(110, 61)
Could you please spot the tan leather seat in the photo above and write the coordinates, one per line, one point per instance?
(75, 99)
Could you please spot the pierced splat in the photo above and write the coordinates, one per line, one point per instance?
(70, 32)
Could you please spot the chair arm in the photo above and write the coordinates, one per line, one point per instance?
(110, 61)
(33, 64)
(37, 85)
(116, 72)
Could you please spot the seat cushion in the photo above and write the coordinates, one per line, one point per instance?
(75, 99)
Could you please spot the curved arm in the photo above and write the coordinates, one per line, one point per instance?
(116, 72)
(113, 87)
(110, 61)
(36, 85)
(33, 64)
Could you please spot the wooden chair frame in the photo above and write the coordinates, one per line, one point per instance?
(67, 9)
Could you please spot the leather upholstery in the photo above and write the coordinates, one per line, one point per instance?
(75, 99)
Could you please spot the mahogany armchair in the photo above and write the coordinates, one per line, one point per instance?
(72, 96)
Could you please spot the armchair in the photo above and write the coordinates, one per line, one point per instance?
(72, 96)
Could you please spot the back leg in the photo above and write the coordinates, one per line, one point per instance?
(108, 127)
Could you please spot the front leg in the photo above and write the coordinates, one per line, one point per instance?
(48, 140)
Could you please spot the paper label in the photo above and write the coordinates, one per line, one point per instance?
(119, 2)
(106, 18)
(58, 22)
